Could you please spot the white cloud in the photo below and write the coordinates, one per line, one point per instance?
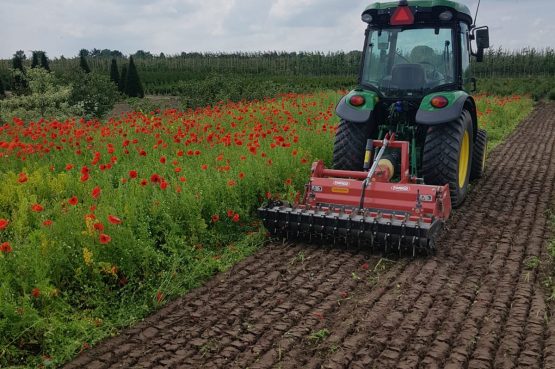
(66, 26)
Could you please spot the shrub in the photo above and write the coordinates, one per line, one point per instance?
(46, 99)
(133, 86)
(93, 93)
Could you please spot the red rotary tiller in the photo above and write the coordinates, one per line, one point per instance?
(365, 207)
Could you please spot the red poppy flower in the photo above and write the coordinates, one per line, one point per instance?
(22, 178)
(37, 208)
(69, 166)
(96, 192)
(99, 227)
(163, 185)
(144, 182)
(47, 223)
(230, 213)
(235, 218)
(133, 174)
(73, 200)
(177, 170)
(231, 183)
(180, 153)
(3, 224)
(6, 248)
(113, 219)
(241, 175)
(215, 218)
(288, 181)
(155, 178)
(163, 160)
(35, 292)
(85, 177)
(159, 297)
(104, 238)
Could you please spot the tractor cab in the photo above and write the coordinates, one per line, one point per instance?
(414, 49)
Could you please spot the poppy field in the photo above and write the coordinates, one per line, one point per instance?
(103, 221)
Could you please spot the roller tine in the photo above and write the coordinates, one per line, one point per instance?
(413, 246)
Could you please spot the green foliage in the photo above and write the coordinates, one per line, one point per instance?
(551, 95)
(94, 94)
(46, 98)
(35, 59)
(83, 64)
(537, 87)
(44, 61)
(114, 73)
(133, 85)
(123, 79)
(79, 94)
(2, 90)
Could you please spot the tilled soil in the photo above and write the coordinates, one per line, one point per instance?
(478, 304)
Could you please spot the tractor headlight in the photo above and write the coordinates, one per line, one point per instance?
(367, 18)
(446, 16)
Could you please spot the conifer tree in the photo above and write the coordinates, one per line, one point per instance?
(123, 79)
(114, 72)
(133, 86)
(19, 82)
(35, 59)
(44, 61)
(2, 91)
(83, 64)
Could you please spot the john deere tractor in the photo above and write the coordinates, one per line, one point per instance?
(408, 142)
(415, 81)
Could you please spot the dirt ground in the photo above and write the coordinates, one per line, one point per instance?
(479, 303)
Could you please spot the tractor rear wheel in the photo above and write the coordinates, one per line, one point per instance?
(350, 145)
(479, 155)
(447, 156)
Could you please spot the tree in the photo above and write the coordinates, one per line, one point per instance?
(2, 91)
(35, 59)
(133, 86)
(83, 64)
(20, 54)
(123, 79)
(44, 61)
(114, 72)
(17, 62)
(19, 82)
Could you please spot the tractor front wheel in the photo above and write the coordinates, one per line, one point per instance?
(447, 157)
(350, 145)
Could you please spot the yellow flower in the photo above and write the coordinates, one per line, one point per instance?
(87, 256)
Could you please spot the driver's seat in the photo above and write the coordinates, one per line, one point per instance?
(408, 76)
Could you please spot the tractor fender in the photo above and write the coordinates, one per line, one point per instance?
(357, 114)
(457, 100)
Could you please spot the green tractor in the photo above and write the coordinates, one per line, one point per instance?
(408, 143)
(415, 81)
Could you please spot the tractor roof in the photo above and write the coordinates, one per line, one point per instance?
(423, 4)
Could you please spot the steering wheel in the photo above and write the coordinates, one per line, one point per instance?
(436, 74)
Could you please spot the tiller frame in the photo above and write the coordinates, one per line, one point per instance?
(364, 207)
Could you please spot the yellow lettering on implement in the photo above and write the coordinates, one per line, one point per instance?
(339, 190)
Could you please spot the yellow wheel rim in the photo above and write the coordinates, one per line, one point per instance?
(464, 157)
(484, 158)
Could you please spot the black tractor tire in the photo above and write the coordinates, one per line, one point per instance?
(441, 161)
(479, 155)
(350, 145)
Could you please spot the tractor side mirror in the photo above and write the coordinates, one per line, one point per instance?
(482, 38)
(481, 35)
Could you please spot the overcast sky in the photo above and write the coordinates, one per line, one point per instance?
(63, 27)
